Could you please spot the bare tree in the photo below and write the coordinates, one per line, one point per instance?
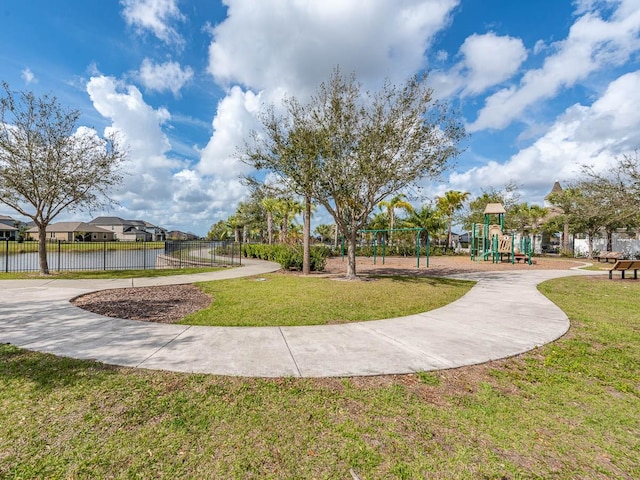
(48, 164)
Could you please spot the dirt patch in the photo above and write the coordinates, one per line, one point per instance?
(441, 266)
(163, 304)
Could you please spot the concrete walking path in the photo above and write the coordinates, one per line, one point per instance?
(501, 316)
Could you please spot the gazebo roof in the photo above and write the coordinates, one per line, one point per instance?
(494, 208)
(557, 188)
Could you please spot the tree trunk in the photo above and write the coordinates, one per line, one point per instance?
(533, 243)
(565, 238)
(270, 227)
(351, 255)
(609, 240)
(335, 236)
(284, 229)
(590, 252)
(42, 249)
(306, 238)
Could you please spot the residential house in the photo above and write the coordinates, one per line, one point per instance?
(158, 234)
(178, 235)
(131, 230)
(8, 229)
(74, 231)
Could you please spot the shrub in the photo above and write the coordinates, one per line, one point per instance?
(289, 257)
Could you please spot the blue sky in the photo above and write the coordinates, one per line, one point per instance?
(542, 86)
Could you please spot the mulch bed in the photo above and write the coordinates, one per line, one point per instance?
(162, 304)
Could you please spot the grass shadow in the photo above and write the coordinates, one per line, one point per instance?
(48, 372)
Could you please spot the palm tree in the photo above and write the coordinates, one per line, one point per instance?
(399, 201)
(324, 231)
(270, 205)
(449, 204)
(428, 218)
(536, 214)
(288, 207)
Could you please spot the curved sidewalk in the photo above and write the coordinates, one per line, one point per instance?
(502, 315)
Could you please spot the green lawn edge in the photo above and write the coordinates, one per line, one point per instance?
(570, 409)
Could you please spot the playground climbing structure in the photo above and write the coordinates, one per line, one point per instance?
(490, 242)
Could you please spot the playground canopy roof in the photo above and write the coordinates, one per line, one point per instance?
(494, 208)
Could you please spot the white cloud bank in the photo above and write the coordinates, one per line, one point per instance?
(268, 48)
(595, 135)
(594, 43)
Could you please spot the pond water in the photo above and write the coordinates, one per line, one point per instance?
(142, 259)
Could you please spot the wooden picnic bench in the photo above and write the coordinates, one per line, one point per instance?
(624, 266)
(606, 256)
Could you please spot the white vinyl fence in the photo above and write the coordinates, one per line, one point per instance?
(630, 248)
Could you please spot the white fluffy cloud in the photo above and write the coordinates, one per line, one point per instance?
(276, 48)
(487, 60)
(294, 45)
(153, 177)
(594, 43)
(28, 76)
(235, 117)
(155, 16)
(593, 134)
(135, 120)
(490, 60)
(168, 76)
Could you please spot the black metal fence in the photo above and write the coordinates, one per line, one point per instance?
(67, 256)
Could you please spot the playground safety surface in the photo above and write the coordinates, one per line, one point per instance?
(502, 315)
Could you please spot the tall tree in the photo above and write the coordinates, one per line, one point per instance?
(288, 147)
(270, 205)
(397, 201)
(324, 231)
(616, 192)
(288, 208)
(356, 147)
(583, 210)
(508, 197)
(449, 204)
(536, 215)
(428, 218)
(48, 164)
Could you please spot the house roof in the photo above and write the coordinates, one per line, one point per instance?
(72, 227)
(134, 230)
(7, 223)
(109, 221)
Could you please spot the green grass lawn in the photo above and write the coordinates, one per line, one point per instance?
(279, 299)
(100, 274)
(570, 409)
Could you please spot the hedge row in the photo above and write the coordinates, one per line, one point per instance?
(289, 257)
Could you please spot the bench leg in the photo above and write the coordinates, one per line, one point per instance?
(623, 274)
(610, 274)
(635, 274)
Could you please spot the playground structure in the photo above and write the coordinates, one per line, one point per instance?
(489, 241)
(379, 242)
